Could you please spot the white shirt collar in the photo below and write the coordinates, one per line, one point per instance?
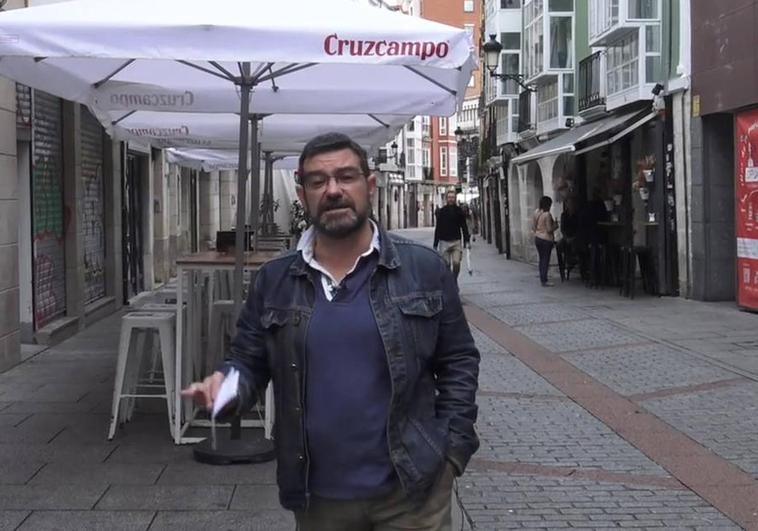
(328, 282)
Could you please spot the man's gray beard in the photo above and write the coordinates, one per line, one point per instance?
(341, 231)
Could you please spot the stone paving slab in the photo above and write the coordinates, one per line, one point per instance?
(145, 453)
(166, 498)
(49, 497)
(97, 474)
(35, 429)
(18, 472)
(257, 497)
(11, 420)
(11, 519)
(489, 300)
(58, 408)
(194, 473)
(500, 501)
(49, 393)
(87, 521)
(252, 520)
(578, 335)
(724, 420)
(527, 314)
(506, 374)
(646, 368)
(51, 453)
(548, 432)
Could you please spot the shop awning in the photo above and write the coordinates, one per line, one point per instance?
(566, 143)
(639, 123)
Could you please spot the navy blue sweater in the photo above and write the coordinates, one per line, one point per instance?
(348, 392)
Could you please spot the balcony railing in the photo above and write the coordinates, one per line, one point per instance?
(525, 121)
(591, 82)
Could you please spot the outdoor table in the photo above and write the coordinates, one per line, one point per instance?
(191, 271)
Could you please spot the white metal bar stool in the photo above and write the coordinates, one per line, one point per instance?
(130, 358)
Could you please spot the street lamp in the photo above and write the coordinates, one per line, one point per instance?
(458, 134)
(492, 50)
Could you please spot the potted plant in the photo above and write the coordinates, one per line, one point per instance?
(298, 222)
(645, 175)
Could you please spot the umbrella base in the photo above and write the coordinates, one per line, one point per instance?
(231, 451)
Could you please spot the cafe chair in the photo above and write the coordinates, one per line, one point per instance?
(131, 354)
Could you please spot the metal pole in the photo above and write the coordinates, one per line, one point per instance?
(255, 175)
(240, 234)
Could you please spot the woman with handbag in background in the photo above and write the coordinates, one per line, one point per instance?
(543, 226)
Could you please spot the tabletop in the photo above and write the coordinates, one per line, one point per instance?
(213, 258)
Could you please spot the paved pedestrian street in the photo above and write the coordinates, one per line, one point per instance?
(596, 412)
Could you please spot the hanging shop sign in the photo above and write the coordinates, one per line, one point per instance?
(746, 204)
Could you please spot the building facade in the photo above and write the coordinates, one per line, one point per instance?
(446, 157)
(721, 215)
(602, 118)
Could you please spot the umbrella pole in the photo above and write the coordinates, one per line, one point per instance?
(255, 183)
(236, 449)
(240, 234)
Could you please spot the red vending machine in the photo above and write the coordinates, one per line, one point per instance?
(746, 204)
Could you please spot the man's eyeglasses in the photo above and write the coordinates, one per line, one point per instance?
(315, 182)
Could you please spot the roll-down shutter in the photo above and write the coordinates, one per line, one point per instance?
(48, 218)
(92, 208)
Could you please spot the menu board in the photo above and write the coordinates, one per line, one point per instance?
(746, 204)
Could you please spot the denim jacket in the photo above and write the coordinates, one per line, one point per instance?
(432, 359)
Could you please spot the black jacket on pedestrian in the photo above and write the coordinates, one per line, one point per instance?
(451, 225)
(432, 361)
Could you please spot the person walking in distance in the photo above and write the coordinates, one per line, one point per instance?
(544, 227)
(373, 365)
(451, 226)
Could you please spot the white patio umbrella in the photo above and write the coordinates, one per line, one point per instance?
(286, 133)
(293, 56)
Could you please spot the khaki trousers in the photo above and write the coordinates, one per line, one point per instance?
(389, 513)
(452, 252)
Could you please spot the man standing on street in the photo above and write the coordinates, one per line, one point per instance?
(451, 226)
(373, 364)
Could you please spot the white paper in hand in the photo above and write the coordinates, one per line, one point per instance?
(227, 392)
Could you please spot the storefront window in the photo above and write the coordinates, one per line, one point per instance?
(561, 42)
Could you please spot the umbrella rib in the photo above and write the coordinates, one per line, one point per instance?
(373, 117)
(286, 70)
(110, 76)
(222, 69)
(203, 69)
(124, 117)
(430, 80)
(259, 71)
(273, 81)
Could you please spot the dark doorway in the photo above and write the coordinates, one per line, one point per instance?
(131, 219)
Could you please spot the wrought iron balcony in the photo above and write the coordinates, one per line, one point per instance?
(592, 82)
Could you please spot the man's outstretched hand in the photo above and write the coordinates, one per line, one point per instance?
(204, 393)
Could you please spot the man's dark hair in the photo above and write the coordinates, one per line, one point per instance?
(332, 142)
(545, 203)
